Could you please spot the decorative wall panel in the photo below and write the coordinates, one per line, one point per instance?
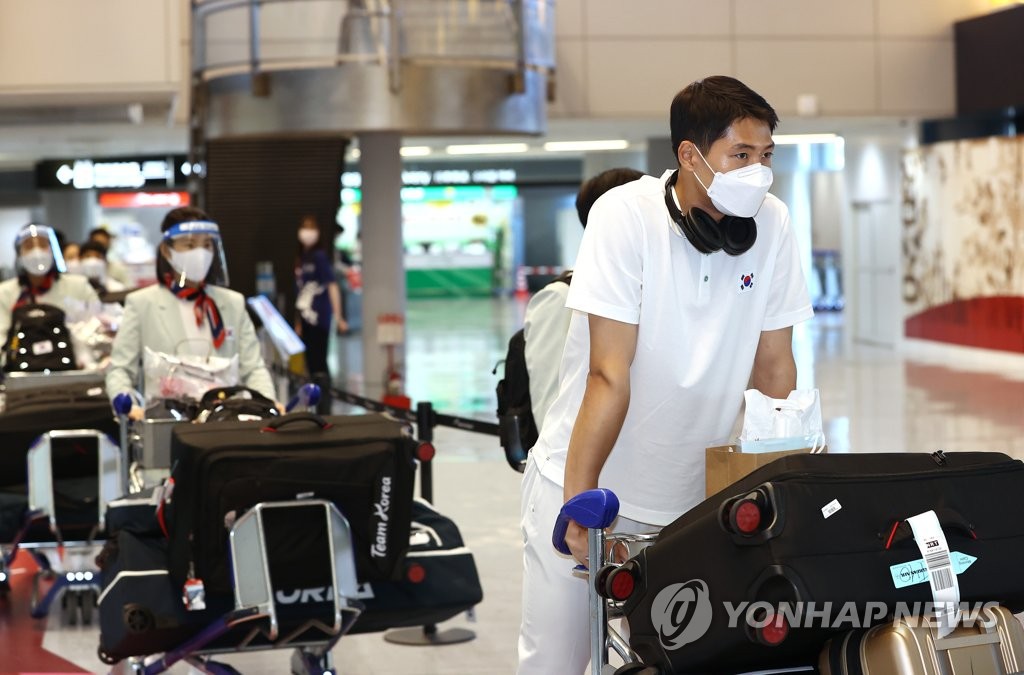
(963, 243)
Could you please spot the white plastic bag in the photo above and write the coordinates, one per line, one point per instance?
(793, 423)
(92, 327)
(185, 376)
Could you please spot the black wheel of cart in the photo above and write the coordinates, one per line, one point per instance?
(69, 608)
(86, 604)
(106, 658)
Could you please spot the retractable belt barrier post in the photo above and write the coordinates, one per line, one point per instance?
(425, 420)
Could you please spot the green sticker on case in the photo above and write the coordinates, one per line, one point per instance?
(915, 571)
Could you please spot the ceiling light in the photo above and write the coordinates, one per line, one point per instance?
(795, 139)
(487, 149)
(584, 146)
(415, 150)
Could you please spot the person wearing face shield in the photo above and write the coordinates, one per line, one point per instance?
(42, 276)
(685, 289)
(189, 307)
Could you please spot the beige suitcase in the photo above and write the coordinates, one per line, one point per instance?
(902, 649)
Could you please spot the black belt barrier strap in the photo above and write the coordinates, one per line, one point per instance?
(464, 423)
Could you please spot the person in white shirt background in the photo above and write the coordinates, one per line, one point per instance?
(92, 264)
(115, 269)
(685, 289)
(546, 322)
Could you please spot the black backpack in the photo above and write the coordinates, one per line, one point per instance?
(517, 429)
(38, 341)
(233, 404)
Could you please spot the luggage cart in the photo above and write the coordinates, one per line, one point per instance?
(68, 562)
(254, 623)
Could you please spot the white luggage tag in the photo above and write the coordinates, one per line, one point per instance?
(945, 587)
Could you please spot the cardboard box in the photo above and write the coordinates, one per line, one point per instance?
(726, 464)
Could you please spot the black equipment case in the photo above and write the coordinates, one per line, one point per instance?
(362, 463)
(818, 529)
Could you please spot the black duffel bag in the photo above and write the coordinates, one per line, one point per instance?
(140, 608)
(820, 539)
(439, 581)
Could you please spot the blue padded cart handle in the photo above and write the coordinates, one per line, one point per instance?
(123, 404)
(308, 397)
(593, 509)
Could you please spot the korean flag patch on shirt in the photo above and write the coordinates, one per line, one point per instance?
(746, 282)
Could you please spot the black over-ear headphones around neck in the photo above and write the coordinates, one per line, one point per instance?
(732, 235)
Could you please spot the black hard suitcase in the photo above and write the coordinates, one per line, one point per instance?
(362, 463)
(801, 548)
(29, 413)
(439, 581)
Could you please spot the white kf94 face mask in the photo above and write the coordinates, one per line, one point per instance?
(194, 264)
(739, 192)
(37, 261)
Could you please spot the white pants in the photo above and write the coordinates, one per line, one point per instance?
(554, 637)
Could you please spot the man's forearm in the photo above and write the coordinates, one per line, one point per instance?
(776, 381)
(594, 433)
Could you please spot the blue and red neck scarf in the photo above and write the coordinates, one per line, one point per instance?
(204, 306)
(29, 293)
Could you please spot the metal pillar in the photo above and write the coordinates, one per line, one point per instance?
(383, 266)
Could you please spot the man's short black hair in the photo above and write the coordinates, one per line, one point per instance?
(598, 185)
(183, 214)
(100, 231)
(705, 109)
(92, 246)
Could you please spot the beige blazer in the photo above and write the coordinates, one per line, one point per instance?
(152, 318)
(65, 287)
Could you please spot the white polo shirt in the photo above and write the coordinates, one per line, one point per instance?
(700, 318)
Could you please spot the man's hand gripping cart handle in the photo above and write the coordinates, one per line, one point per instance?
(595, 510)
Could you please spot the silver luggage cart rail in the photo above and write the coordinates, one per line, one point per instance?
(254, 593)
(69, 563)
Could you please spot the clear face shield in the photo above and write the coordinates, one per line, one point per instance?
(38, 250)
(195, 253)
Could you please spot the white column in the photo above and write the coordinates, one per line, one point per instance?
(73, 212)
(380, 164)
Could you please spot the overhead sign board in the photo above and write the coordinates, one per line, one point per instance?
(120, 173)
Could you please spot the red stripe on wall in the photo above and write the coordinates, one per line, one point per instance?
(990, 323)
